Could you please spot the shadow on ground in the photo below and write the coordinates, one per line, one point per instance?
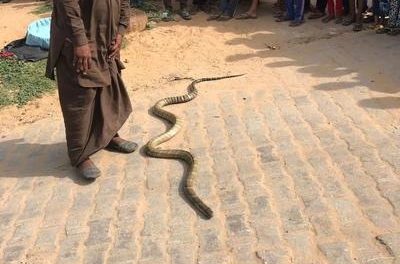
(347, 60)
(19, 159)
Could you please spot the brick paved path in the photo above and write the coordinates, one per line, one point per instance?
(294, 175)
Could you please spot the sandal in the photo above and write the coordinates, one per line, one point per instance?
(123, 147)
(296, 23)
(214, 17)
(339, 20)
(316, 15)
(245, 16)
(381, 30)
(282, 19)
(184, 13)
(168, 16)
(347, 21)
(328, 19)
(224, 18)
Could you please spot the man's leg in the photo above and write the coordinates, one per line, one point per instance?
(299, 13)
(184, 12)
(321, 5)
(339, 8)
(346, 6)
(320, 12)
(251, 13)
(331, 12)
(339, 11)
(350, 19)
(393, 13)
(290, 9)
(168, 5)
(78, 106)
(360, 9)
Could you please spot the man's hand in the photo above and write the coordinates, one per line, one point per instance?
(115, 46)
(82, 59)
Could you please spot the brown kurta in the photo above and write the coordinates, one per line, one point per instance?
(95, 105)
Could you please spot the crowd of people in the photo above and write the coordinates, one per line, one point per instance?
(384, 14)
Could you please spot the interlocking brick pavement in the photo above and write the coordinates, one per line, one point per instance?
(294, 174)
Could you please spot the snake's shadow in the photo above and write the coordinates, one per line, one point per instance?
(185, 167)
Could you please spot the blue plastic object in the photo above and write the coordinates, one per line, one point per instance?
(38, 34)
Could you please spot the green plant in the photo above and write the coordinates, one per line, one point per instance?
(21, 82)
(43, 9)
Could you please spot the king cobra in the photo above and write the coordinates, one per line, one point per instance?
(152, 147)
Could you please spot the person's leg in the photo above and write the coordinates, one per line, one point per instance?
(397, 23)
(253, 8)
(338, 8)
(290, 9)
(393, 13)
(339, 11)
(168, 5)
(346, 6)
(184, 12)
(223, 5)
(298, 13)
(320, 12)
(78, 106)
(251, 13)
(168, 14)
(307, 6)
(331, 12)
(350, 18)
(360, 7)
(321, 5)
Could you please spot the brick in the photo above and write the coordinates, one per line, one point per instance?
(337, 252)
(274, 256)
(151, 250)
(237, 225)
(392, 243)
(13, 253)
(99, 232)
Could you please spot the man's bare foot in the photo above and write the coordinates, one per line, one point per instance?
(88, 170)
(121, 145)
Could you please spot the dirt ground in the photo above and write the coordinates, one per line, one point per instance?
(200, 48)
(298, 158)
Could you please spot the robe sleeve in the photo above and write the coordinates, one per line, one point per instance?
(72, 13)
(124, 17)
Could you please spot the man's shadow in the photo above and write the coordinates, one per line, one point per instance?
(19, 159)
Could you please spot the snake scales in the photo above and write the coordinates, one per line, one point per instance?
(152, 147)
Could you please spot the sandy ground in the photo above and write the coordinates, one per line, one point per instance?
(199, 48)
(299, 158)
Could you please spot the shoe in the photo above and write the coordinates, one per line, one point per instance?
(245, 16)
(339, 20)
(88, 171)
(282, 19)
(123, 147)
(328, 19)
(184, 13)
(347, 21)
(224, 18)
(316, 15)
(167, 16)
(296, 23)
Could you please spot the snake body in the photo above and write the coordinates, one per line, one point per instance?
(152, 147)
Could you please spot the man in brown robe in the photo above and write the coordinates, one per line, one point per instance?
(86, 37)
